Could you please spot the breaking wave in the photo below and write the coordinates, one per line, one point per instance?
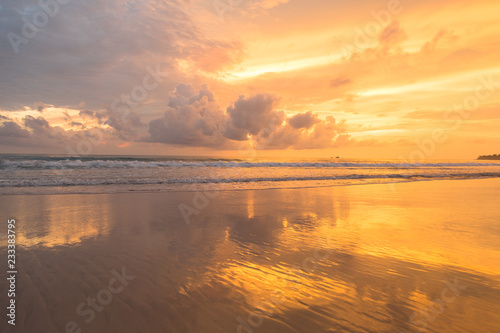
(37, 164)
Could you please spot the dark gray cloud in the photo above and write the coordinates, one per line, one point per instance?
(192, 118)
(127, 125)
(37, 125)
(36, 132)
(248, 116)
(12, 129)
(93, 114)
(40, 106)
(303, 120)
(94, 51)
(78, 124)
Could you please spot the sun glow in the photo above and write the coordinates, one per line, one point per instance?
(285, 66)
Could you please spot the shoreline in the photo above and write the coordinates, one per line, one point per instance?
(234, 189)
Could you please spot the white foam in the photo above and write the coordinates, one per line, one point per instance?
(137, 164)
(58, 181)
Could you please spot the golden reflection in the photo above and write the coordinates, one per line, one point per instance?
(250, 204)
(412, 225)
(365, 257)
(316, 260)
(283, 286)
(66, 224)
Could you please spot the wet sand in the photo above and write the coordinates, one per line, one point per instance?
(408, 257)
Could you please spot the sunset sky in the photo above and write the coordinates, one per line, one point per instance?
(360, 79)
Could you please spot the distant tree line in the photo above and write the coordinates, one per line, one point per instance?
(489, 157)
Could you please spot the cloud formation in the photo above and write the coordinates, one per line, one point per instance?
(192, 119)
(303, 120)
(248, 116)
(33, 132)
(195, 119)
(40, 106)
(385, 68)
(325, 133)
(94, 51)
(10, 129)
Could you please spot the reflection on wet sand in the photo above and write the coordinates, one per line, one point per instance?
(374, 258)
(61, 220)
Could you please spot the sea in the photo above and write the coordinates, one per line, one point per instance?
(60, 174)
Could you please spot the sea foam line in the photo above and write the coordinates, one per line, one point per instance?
(159, 181)
(7, 164)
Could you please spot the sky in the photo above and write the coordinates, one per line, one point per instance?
(398, 79)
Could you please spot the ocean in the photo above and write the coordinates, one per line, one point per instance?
(59, 174)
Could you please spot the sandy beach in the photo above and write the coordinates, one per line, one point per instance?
(407, 257)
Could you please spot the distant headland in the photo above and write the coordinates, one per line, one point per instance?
(489, 157)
